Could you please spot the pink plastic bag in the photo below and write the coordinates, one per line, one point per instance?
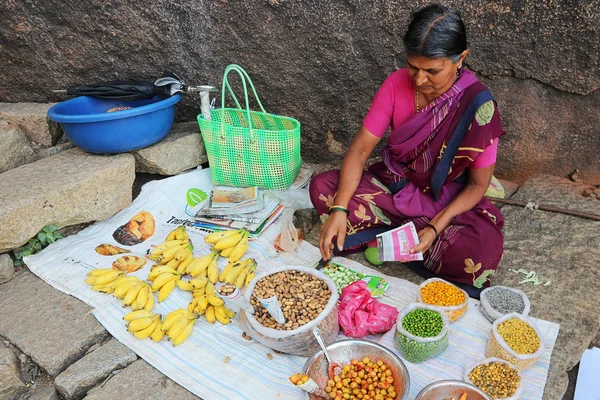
(360, 314)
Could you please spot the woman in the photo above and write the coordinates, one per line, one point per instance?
(437, 164)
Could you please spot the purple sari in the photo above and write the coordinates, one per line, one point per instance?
(416, 181)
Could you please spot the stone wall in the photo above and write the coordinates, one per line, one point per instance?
(322, 61)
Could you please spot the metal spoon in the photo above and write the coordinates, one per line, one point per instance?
(332, 369)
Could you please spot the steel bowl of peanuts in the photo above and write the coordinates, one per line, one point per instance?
(367, 368)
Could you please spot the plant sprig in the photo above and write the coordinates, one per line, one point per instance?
(49, 234)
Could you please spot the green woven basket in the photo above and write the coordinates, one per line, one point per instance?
(250, 148)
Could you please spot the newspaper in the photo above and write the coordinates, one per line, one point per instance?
(395, 245)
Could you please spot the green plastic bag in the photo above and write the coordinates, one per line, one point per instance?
(250, 148)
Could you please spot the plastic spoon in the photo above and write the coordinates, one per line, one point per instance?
(333, 369)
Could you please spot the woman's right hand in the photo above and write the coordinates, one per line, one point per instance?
(334, 226)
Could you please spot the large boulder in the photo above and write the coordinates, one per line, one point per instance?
(65, 189)
(181, 150)
(32, 119)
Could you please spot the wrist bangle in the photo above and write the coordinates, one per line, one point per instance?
(434, 230)
(338, 208)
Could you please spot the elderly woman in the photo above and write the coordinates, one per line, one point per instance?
(436, 165)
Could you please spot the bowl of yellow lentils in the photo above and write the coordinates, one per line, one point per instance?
(440, 293)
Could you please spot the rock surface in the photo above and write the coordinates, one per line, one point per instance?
(10, 383)
(93, 368)
(14, 147)
(181, 150)
(541, 59)
(52, 328)
(7, 270)
(32, 119)
(69, 188)
(44, 393)
(564, 250)
(140, 381)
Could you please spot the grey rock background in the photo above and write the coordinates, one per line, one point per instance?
(322, 62)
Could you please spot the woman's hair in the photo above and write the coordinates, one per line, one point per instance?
(436, 32)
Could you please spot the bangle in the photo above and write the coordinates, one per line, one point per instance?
(338, 208)
(437, 235)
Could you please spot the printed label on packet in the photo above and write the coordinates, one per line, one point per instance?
(376, 285)
(395, 245)
(273, 308)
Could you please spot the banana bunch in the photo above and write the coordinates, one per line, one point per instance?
(144, 324)
(239, 273)
(205, 266)
(104, 280)
(176, 251)
(164, 279)
(231, 244)
(135, 293)
(206, 302)
(193, 284)
(178, 325)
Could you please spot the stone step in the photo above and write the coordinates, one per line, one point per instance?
(32, 119)
(52, 328)
(139, 381)
(93, 368)
(14, 147)
(181, 150)
(565, 250)
(65, 189)
(11, 385)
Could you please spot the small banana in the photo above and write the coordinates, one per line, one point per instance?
(187, 331)
(107, 277)
(222, 316)
(240, 248)
(168, 254)
(163, 279)
(241, 278)
(172, 317)
(158, 333)
(140, 323)
(146, 333)
(226, 271)
(184, 264)
(138, 314)
(214, 237)
(150, 303)
(155, 252)
(199, 282)
(132, 294)
(98, 272)
(123, 288)
(177, 327)
(213, 271)
(249, 278)
(199, 292)
(215, 301)
(203, 302)
(201, 264)
(210, 314)
(166, 290)
(178, 233)
(185, 285)
(140, 301)
(210, 289)
(229, 241)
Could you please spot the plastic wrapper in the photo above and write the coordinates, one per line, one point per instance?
(360, 314)
(417, 349)
(498, 348)
(491, 313)
(299, 341)
(452, 312)
(516, 395)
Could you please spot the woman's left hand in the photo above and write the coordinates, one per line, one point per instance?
(426, 239)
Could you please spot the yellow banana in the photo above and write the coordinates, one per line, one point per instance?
(225, 253)
(187, 331)
(169, 253)
(122, 289)
(98, 272)
(203, 302)
(225, 271)
(138, 314)
(213, 271)
(177, 327)
(106, 288)
(181, 233)
(172, 317)
(184, 264)
(163, 279)
(193, 304)
(210, 314)
(146, 333)
(141, 299)
(240, 248)
(107, 278)
(230, 313)
(166, 290)
(182, 254)
(233, 273)
(215, 301)
(141, 323)
(220, 310)
(214, 237)
(249, 278)
(210, 289)
(228, 241)
(199, 283)
(241, 278)
(132, 294)
(155, 252)
(156, 271)
(199, 292)
(222, 319)
(201, 264)
(173, 264)
(185, 285)
(150, 303)
(158, 333)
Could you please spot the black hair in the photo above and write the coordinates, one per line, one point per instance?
(436, 32)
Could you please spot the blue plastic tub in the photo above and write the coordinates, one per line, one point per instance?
(89, 125)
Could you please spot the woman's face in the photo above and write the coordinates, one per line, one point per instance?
(433, 77)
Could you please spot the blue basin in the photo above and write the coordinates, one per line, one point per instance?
(88, 124)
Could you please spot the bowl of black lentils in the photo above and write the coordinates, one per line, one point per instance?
(497, 301)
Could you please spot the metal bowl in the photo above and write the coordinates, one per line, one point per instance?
(344, 351)
(442, 390)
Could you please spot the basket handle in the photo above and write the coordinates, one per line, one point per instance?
(243, 76)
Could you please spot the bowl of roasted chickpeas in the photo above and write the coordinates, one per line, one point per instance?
(366, 370)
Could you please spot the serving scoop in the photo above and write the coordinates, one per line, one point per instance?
(333, 369)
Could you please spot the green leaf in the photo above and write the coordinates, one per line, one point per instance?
(195, 196)
(18, 255)
(42, 237)
(32, 241)
(17, 263)
(57, 235)
(483, 278)
(27, 253)
(51, 239)
(38, 246)
(50, 228)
